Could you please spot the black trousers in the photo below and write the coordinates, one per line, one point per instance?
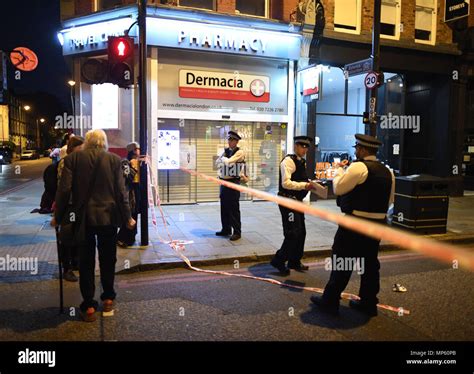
(294, 231)
(230, 210)
(351, 245)
(105, 238)
(125, 234)
(70, 256)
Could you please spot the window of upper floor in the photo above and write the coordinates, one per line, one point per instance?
(198, 4)
(390, 19)
(201, 4)
(347, 16)
(426, 21)
(260, 8)
(106, 4)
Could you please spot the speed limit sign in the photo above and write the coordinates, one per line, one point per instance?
(371, 80)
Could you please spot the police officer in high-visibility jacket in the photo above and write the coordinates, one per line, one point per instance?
(294, 184)
(230, 166)
(365, 190)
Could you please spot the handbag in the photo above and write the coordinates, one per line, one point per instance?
(72, 227)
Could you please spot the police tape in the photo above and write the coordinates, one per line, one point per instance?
(429, 247)
(179, 246)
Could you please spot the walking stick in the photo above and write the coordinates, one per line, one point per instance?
(60, 263)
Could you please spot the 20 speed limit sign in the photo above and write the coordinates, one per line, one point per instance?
(371, 80)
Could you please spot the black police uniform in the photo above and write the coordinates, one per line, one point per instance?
(370, 197)
(230, 209)
(294, 228)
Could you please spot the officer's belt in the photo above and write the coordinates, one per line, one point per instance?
(288, 196)
(369, 215)
(230, 179)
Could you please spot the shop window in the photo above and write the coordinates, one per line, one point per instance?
(425, 21)
(254, 8)
(347, 15)
(108, 4)
(390, 19)
(203, 4)
(332, 91)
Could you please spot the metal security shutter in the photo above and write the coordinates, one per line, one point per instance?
(209, 136)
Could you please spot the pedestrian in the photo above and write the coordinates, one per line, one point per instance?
(94, 179)
(131, 169)
(293, 184)
(64, 145)
(50, 179)
(365, 189)
(230, 165)
(70, 260)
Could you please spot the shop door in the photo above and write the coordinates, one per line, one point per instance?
(263, 144)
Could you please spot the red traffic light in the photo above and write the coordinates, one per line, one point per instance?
(120, 47)
(121, 60)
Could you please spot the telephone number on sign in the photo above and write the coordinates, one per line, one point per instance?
(270, 110)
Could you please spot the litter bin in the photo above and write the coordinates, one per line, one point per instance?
(421, 204)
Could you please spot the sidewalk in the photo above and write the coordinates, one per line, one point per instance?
(23, 234)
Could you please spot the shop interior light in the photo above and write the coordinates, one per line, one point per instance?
(324, 68)
(61, 38)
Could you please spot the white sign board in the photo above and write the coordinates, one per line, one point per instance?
(188, 156)
(371, 80)
(168, 150)
(311, 81)
(105, 106)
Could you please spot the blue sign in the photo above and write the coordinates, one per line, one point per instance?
(186, 35)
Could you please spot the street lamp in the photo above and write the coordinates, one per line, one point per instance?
(38, 136)
(72, 84)
(27, 107)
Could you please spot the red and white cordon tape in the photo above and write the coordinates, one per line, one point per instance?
(359, 225)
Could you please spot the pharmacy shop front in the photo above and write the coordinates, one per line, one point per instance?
(207, 75)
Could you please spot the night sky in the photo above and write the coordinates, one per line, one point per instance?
(34, 24)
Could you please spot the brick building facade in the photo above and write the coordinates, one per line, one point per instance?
(424, 69)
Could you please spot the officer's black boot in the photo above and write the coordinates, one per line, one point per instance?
(369, 309)
(325, 306)
(223, 233)
(298, 267)
(280, 266)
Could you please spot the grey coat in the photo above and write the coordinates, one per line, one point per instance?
(108, 204)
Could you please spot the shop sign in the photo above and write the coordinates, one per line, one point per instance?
(455, 9)
(311, 78)
(185, 34)
(213, 85)
(358, 67)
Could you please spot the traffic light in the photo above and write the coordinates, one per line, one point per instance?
(121, 60)
(94, 71)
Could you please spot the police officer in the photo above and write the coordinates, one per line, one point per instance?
(230, 165)
(293, 184)
(365, 190)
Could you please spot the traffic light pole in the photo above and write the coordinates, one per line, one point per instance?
(376, 61)
(143, 120)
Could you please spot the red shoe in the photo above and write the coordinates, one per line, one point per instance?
(88, 315)
(108, 305)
